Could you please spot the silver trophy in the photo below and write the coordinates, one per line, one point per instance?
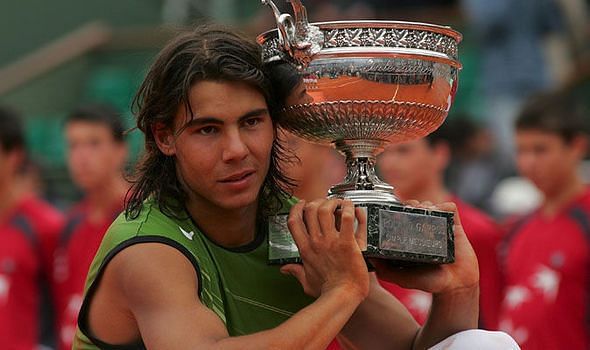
(369, 83)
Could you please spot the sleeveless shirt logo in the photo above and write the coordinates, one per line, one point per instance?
(186, 234)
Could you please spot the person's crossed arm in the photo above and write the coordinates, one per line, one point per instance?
(149, 291)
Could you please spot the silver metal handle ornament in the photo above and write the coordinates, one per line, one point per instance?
(297, 38)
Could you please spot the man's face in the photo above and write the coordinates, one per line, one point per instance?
(94, 156)
(546, 159)
(409, 166)
(298, 95)
(223, 153)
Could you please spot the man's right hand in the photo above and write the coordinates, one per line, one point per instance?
(332, 258)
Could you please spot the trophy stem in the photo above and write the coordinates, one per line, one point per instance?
(361, 184)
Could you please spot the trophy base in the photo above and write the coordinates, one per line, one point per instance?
(403, 235)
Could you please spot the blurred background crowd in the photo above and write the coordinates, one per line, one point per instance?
(69, 71)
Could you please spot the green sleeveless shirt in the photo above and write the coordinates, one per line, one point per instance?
(237, 284)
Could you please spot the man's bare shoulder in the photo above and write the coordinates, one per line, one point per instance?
(156, 263)
(155, 286)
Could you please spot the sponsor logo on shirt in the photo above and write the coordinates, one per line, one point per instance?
(186, 234)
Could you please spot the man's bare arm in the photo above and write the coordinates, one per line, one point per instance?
(169, 315)
(156, 286)
(380, 322)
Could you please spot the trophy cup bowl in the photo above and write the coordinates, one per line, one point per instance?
(370, 83)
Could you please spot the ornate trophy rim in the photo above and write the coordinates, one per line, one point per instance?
(436, 28)
(367, 37)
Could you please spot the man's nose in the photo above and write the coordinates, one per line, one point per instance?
(235, 146)
(525, 161)
(79, 154)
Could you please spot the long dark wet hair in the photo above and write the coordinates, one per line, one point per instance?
(209, 52)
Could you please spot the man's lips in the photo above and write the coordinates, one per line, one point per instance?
(238, 176)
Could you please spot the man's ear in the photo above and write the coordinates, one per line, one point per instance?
(442, 151)
(16, 160)
(580, 146)
(164, 138)
(121, 154)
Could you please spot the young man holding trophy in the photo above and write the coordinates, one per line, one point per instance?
(186, 266)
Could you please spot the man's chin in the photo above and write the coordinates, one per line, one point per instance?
(87, 185)
(241, 201)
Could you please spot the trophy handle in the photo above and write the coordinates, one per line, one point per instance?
(300, 14)
(297, 38)
(285, 26)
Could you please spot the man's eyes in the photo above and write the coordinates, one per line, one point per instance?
(250, 122)
(214, 129)
(84, 143)
(207, 130)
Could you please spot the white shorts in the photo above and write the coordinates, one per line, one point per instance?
(477, 339)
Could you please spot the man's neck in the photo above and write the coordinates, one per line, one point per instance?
(228, 228)
(311, 191)
(104, 199)
(558, 199)
(434, 192)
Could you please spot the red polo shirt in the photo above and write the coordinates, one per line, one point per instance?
(546, 302)
(77, 246)
(27, 241)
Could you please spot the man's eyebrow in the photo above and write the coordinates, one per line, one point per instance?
(198, 121)
(207, 120)
(202, 121)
